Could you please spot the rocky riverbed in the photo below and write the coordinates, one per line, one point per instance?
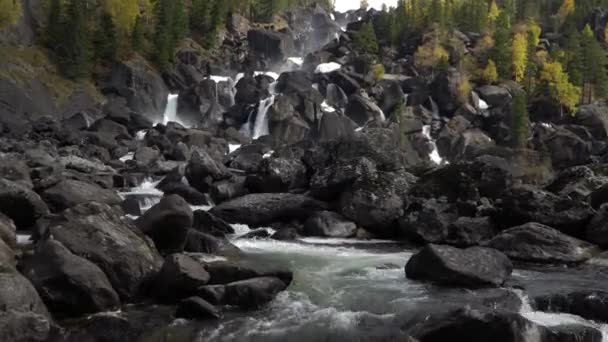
(283, 199)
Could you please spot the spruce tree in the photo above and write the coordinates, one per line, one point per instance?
(54, 26)
(137, 36)
(75, 55)
(105, 38)
(365, 40)
(595, 79)
(501, 53)
(520, 120)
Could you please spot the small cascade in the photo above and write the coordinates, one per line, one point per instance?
(434, 107)
(170, 114)
(434, 155)
(260, 128)
(146, 194)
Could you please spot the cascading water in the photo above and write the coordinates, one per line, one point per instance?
(260, 128)
(434, 155)
(170, 114)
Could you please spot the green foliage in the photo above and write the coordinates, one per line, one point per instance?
(10, 10)
(171, 26)
(105, 40)
(501, 54)
(137, 36)
(559, 87)
(365, 40)
(595, 77)
(378, 71)
(520, 120)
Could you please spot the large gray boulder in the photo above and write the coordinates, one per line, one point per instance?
(24, 326)
(71, 192)
(260, 209)
(275, 46)
(534, 242)
(329, 224)
(167, 223)
(179, 278)
(102, 235)
(69, 285)
(18, 294)
(472, 267)
(21, 204)
(253, 293)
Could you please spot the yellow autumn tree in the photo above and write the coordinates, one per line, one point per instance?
(124, 12)
(493, 12)
(489, 74)
(431, 55)
(9, 12)
(519, 55)
(559, 86)
(566, 9)
(535, 30)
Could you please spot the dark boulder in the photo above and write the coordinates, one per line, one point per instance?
(8, 231)
(376, 201)
(205, 222)
(535, 242)
(167, 223)
(228, 189)
(578, 183)
(329, 224)
(198, 242)
(223, 272)
(21, 204)
(594, 118)
(202, 170)
(329, 182)
(260, 209)
(196, 308)
(69, 285)
(18, 326)
(102, 235)
(446, 90)
(285, 234)
(471, 231)
(146, 155)
(278, 175)
(572, 333)
(140, 85)
(18, 294)
(188, 193)
(253, 293)
(597, 230)
(565, 147)
(494, 96)
(334, 126)
(179, 277)
(275, 46)
(523, 204)
(70, 192)
(472, 267)
(361, 109)
(16, 170)
(429, 221)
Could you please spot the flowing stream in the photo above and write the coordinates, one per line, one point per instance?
(342, 289)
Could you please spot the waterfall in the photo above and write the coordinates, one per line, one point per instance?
(170, 114)
(260, 128)
(434, 155)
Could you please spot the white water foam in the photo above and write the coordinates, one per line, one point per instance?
(434, 155)
(141, 135)
(327, 108)
(126, 157)
(260, 128)
(170, 114)
(233, 147)
(325, 68)
(296, 60)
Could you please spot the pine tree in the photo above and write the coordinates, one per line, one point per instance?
(137, 36)
(365, 40)
(520, 120)
(75, 55)
(501, 54)
(595, 78)
(54, 26)
(105, 38)
(531, 67)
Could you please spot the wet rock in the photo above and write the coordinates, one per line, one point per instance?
(535, 242)
(470, 231)
(253, 293)
(256, 234)
(593, 117)
(597, 230)
(188, 193)
(146, 155)
(16, 170)
(572, 333)
(524, 203)
(8, 231)
(202, 170)
(69, 285)
(198, 242)
(7, 255)
(565, 147)
(213, 294)
(376, 202)
(205, 222)
(70, 192)
(223, 272)
(18, 294)
(228, 189)
(329, 224)
(196, 308)
(278, 175)
(470, 325)
(471, 267)
(260, 209)
(17, 326)
(334, 126)
(140, 85)
(428, 222)
(285, 234)
(20, 204)
(445, 89)
(361, 109)
(102, 235)
(179, 277)
(329, 182)
(276, 46)
(494, 96)
(167, 223)
(577, 182)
